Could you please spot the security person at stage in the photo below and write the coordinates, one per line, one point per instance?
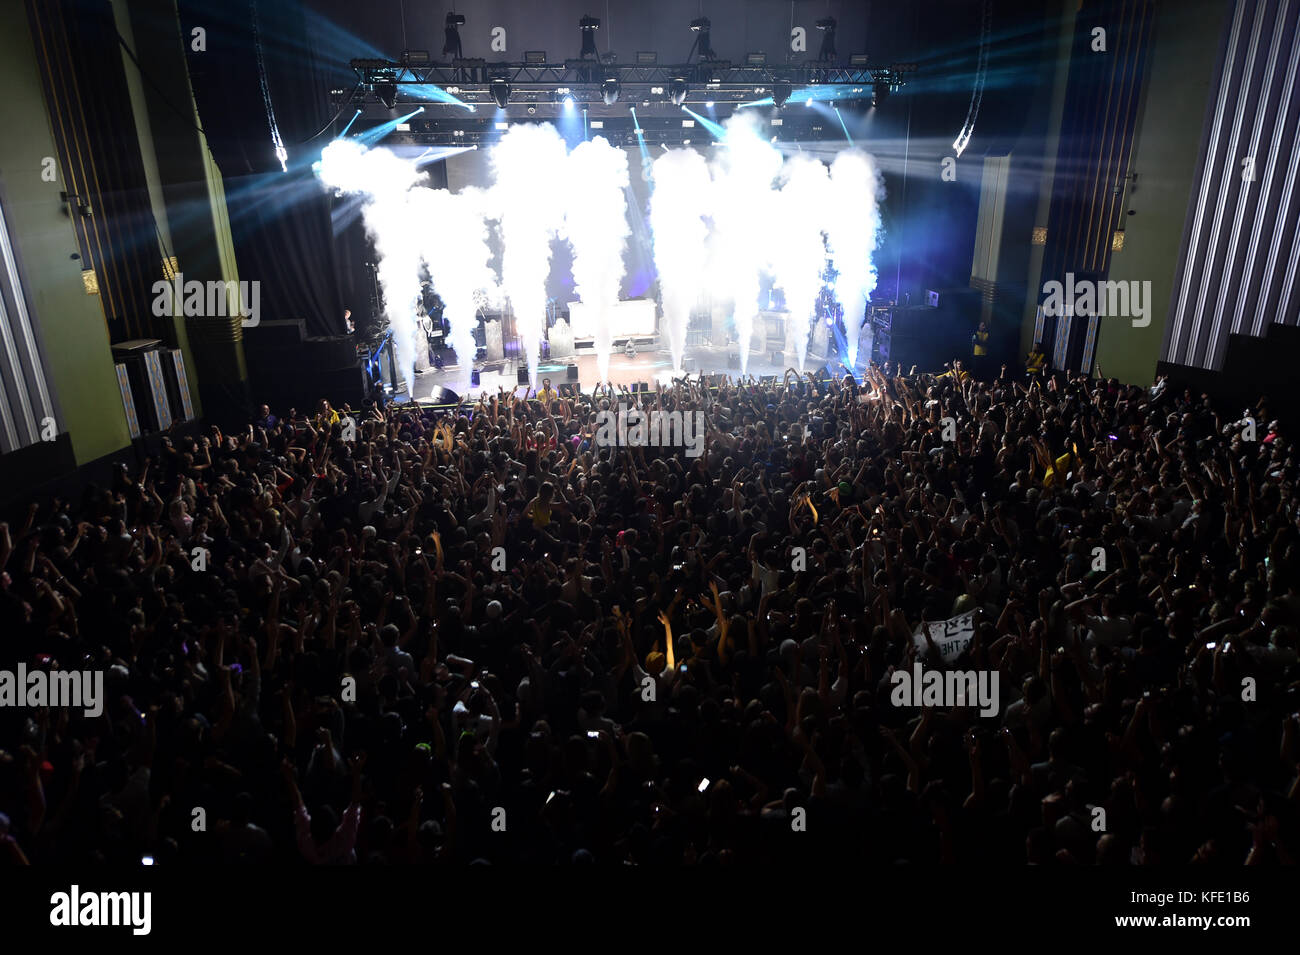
(979, 343)
(1035, 361)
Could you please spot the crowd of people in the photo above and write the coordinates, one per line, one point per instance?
(408, 635)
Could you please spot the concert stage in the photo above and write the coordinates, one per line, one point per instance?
(649, 365)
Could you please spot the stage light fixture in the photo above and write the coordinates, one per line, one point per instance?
(700, 26)
(827, 26)
(756, 59)
(646, 58)
(588, 26)
(610, 90)
(858, 60)
(535, 57)
(451, 35)
(781, 93)
(500, 91)
(677, 92)
(386, 93)
(879, 93)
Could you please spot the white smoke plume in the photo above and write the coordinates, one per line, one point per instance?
(744, 219)
(799, 246)
(397, 258)
(384, 179)
(529, 164)
(454, 246)
(682, 196)
(597, 229)
(853, 230)
(725, 221)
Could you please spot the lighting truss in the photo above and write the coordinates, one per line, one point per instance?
(720, 80)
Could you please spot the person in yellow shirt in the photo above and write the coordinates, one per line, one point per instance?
(547, 394)
(956, 371)
(325, 414)
(539, 510)
(1060, 468)
(979, 351)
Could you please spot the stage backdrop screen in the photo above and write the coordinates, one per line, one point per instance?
(631, 319)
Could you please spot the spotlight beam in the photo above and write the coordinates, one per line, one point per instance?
(371, 136)
(439, 153)
(715, 129)
(843, 125)
(437, 94)
(640, 141)
(814, 94)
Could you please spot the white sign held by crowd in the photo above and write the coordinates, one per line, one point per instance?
(951, 636)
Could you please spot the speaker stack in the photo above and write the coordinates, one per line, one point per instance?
(286, 368)
(142, 378)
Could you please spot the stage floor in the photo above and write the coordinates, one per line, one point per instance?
(649, 365)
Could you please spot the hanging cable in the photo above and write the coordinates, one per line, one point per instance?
(188, 117)
(336, 115)
(281, 153)
(977, 94)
